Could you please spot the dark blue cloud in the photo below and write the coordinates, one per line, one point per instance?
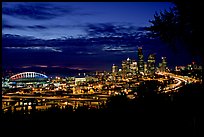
(21, 27)
(65, 18)
(69, 36)
(38, 11)
(97, 52)
(112, 29)
(10, 25)
(101, 28)
(38, 27)
(7, 26)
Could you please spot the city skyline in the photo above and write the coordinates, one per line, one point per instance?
(78, 35)
(68, 65)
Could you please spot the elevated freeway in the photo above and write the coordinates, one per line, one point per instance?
(180, 81)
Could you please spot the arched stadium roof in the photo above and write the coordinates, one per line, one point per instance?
(28, 76)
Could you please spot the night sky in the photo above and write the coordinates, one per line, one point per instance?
(80, 35)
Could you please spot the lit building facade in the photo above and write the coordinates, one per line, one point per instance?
(163, 64)
(133, 67)
(140, 60)
(145, 68)
(129, 67)
(114, 70)
(151, 64)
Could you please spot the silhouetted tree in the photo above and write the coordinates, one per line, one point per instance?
(180, 25)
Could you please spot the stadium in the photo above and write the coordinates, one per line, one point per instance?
(27, 78)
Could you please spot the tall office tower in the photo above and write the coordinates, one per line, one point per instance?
(133, 67)
(140, 60)
(145, 67)
(114, 69)
(126, 67)
(163, 64)
(151, 64)
(128, 62)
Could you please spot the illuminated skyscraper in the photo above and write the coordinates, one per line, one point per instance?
(126, 66)
(114, 69)
(151, 64)
(163, 64)
(133, 67)
(128, 62)
(145, 67)
(140, 60)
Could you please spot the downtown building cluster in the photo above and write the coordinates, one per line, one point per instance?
(131, 67)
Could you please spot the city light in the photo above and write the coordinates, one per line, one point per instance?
(118, 82)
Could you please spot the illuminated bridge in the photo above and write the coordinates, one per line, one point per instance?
(28, 77)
